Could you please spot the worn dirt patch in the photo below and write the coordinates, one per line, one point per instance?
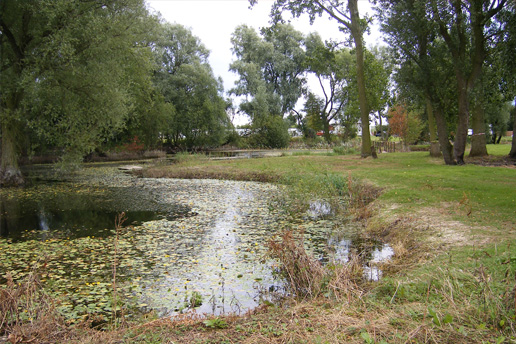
(422, 234)
(493, 160)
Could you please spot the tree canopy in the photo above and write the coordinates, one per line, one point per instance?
(71, 71)
(196, 110)
(79, 75)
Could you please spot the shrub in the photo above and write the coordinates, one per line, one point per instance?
(344, 150)
(272, 134)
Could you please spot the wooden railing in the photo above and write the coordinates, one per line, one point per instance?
(388, 147)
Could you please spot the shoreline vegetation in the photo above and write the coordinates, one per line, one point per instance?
(452, 278)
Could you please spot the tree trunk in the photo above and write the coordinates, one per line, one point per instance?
(512, 154)
(326, 131)
(434, 144)
(459, 146)
(10, 173)
(381, 125)
(478, 140)
(444, 142)
(356, 32)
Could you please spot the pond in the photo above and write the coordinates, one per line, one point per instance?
(185, 244)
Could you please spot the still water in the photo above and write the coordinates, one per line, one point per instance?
(186, 244)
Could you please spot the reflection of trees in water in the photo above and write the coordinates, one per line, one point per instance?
(10, 216)
(4, 229)
(68, 211)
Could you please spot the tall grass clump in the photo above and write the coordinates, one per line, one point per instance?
(27, 313)
(345, 150)
(305, 189)
(306, 277)
(343, 194)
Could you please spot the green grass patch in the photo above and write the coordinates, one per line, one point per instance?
(499, 149)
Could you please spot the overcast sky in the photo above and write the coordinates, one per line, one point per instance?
(213, 21)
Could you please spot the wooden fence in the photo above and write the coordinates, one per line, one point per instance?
(388, 147)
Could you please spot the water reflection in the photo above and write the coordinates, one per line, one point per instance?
(214, 257)
(67, 211)
(171, 258)
(370, 252)
(319, 209)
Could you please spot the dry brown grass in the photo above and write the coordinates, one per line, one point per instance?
(306, 277)
(406, 239)
(28, 314)
(213, 172)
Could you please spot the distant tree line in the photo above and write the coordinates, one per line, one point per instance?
(79, 76)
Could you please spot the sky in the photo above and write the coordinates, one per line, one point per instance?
(213, 21)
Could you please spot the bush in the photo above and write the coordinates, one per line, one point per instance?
(272, 134)
(233, 139)
(345, 150)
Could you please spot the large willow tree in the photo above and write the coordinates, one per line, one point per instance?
(70, 71)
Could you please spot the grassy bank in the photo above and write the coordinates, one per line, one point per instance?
(452, 279)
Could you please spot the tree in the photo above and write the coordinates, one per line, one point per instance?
(512, 153)
(508, 57)
(270, 69)
(424, 74)
(377, 74)
(331, 66)
(196, 109)
(68, 73)
(347, 16)
(406, 124)
(465, 28)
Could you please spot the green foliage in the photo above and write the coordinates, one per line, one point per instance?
(216, 323)
(196, 114)
(84, 68)
(377, 76)
(195, 300)
(405, 124)
(273, 133)
(270, 69)
(331, 67)
(414, 128)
